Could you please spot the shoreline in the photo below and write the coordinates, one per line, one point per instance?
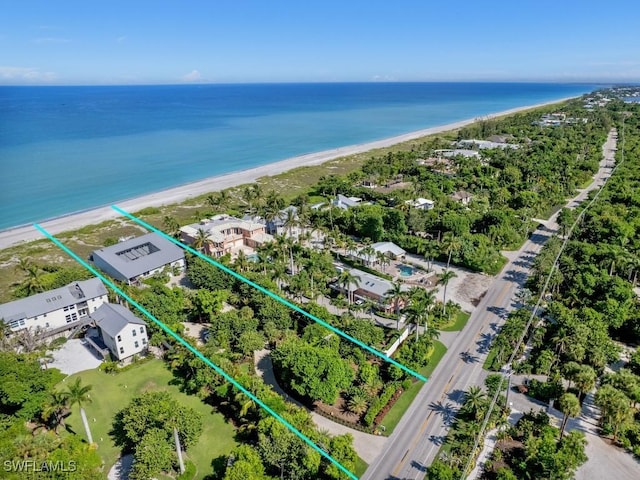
(75, 220)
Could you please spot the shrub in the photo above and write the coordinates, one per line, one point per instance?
(379, 403)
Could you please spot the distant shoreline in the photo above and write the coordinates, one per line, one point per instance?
(75, 220)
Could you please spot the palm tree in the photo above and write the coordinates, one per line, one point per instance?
(450, 244)
(345, 280)
(201, 240)
(396, 295)
(358, 404)
(444, 279)
(54, 410)
(33, 282)
(79, 394)
(417, 313)
(290, 221)
(369, 253)
(241, 262)
(570, 406)
(474, 400)
(171, 225)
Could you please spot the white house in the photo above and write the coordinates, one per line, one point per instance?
(388, 249)
(346, 203)
(138, 258)
(55, 311)
(120, 331)
(420, 203)
(276, 226)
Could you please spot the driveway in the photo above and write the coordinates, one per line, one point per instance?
(74, 356)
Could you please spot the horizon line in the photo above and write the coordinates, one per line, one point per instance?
(336, 82)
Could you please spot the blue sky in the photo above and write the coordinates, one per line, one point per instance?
(161, 41)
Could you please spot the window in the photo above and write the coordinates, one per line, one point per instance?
(121, 350)
(144, 341)
(68, 318)
(45, 315)
(74, 316)
(141, 329)
(16, 323)
(133, 332)
(119, 338)
(136, 344)
(47, 325)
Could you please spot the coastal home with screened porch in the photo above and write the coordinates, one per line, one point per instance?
(224, 234)
(58, 311)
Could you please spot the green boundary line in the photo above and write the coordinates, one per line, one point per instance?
(270, 294)
(193, 350)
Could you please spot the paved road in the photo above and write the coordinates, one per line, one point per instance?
(416, 440)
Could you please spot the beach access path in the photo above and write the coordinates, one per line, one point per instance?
(73, 221)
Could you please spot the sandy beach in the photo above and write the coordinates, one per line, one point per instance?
(178, 194)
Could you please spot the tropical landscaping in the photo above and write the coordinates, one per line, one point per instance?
(180, 419)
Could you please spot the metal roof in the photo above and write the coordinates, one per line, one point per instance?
(139, 255)
(113, 318)
(53, 300)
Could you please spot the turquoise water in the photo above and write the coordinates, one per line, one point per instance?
(406, 270)
(66, 149)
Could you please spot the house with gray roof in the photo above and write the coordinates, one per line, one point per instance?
(346, 203)
(371, 287)
(119, 330)
(55, 311)
(139, 258)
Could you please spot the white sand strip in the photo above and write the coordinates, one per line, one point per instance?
(170, 196)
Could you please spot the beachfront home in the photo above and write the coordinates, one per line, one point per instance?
(462, 197)
(118, 330)
(457, 152)
(484, 144)
(224, 234)
(279, 224)
(56, 311)
(420, 203)
(368, 286)
(137, 258)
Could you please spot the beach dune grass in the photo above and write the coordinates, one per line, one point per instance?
(112, 392)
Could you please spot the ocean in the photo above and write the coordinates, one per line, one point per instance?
(67, 149)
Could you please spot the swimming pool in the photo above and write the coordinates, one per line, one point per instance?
(406, 270)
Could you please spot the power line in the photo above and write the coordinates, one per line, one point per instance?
(537, 306)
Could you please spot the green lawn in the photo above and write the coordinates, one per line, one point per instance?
(111, 393)
(394, 415)
(361, 467)
(458, 323)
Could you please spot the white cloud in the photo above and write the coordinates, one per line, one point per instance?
(25, 75)
(121, 39)
(192, 76)
(45, 40)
